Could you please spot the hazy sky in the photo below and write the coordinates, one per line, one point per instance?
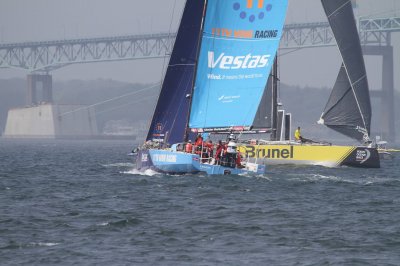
(36, 20)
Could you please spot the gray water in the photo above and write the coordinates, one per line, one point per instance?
(82, 203)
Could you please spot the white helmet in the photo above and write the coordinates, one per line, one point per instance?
(231, 147)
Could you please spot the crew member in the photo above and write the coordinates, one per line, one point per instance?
(297, 135)
(231, 138)
(198, 143)
(230, 159)
(219, 152)
(189, 147)
(239, 161)
(205, 153)
(210, 148)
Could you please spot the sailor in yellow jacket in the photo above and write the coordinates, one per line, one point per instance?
(297, 135)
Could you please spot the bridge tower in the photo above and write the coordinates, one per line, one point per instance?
(376, 35)
(386, 94)
(33, 98)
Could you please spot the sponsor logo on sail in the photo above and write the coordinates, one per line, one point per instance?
(252, 10)
(248, 61)
(228, 99)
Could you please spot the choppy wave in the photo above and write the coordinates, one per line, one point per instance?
(14, 245)
(43, 244)
(121, 223)
(96, 209)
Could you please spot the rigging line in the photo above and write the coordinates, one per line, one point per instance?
(339, 8)
(164, 68)
(278, 74)
(180, 104)
(169, 35)
(109, 100)
(126, 104)
(292, 51)
(297, 49)
(182, 65)
(172, 17)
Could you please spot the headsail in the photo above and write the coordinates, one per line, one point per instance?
(238, 46)
(348, 110)
(170, 116)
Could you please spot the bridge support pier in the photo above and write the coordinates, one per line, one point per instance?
(32, 91)
(387, 118)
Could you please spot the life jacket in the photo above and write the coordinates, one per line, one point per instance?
(297, 135)
(218, 153)
(188, 147)
(238, 159)
(199, 141)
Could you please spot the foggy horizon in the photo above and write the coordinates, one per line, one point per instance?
(136, 17)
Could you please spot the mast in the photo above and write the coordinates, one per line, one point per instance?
(186, 133)
(274, 74)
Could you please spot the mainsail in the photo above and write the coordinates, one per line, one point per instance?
(348, 110)
(263, 117)
(238, 46)
(170, 117)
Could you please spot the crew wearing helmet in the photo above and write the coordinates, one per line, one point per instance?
(229, 160)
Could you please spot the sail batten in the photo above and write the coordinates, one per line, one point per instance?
(355, 83)
(348, 109)
(338, 9)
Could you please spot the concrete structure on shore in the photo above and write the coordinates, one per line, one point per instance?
(51, 121)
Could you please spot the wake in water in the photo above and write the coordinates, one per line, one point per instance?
(43, 244)
(147, 172)
(119, 165)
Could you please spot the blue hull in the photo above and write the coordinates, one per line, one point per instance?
(165, 161)
(171, 162)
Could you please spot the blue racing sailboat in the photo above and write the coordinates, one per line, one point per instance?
(220, 63)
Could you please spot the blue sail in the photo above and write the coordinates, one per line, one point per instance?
(170, 116)
(239, 42)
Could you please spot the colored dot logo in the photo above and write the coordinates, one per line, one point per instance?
(252, 11)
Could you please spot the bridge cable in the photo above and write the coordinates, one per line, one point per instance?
(112, 99)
